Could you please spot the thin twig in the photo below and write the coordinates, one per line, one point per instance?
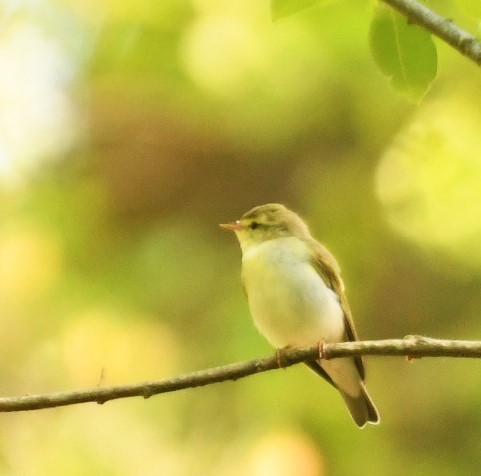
(443, 28)
(411, 346)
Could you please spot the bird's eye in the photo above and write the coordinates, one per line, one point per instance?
(253, 225)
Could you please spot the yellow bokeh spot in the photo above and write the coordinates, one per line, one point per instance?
(429, 180)
(287, 453)
(104, 348)
(222, 52)
(30, 263)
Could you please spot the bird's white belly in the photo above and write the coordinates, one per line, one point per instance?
(289, 302)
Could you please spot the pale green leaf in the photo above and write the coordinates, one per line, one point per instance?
(285, 8)
(403, 51)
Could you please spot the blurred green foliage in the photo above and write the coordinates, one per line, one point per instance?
(128, 131)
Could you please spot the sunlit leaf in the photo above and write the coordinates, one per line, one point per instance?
(403, 51)
(285, 8)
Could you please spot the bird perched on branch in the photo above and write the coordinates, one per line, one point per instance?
(296, 297)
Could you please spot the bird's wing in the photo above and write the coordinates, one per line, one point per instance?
(327, 267)
(316, 366)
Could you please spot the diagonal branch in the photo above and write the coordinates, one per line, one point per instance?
(411, 346)
(443, 28)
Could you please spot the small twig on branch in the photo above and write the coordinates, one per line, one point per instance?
(411, 346)
(443, 28)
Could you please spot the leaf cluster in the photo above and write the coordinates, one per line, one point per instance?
(401, 45)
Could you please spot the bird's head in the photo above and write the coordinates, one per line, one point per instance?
(267, 222)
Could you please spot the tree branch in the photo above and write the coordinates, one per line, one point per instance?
(411, 346)
(464, 42)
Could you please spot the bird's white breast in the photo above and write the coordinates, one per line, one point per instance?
(289, 302)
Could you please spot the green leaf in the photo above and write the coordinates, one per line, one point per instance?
(403, 51)
(285, 8)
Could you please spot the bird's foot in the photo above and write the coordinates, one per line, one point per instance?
(279, 356)
(320, 348)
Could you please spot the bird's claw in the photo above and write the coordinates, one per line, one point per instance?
(320, 349)
(279, 356)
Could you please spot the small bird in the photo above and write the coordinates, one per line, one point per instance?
(296, 297)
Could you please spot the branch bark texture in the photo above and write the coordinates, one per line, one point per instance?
(443, 28)
(410, 346)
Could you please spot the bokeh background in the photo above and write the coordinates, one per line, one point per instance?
(128, 131)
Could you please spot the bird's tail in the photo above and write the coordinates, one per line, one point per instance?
(361, 407)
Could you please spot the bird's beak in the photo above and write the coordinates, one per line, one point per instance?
(233, 226)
